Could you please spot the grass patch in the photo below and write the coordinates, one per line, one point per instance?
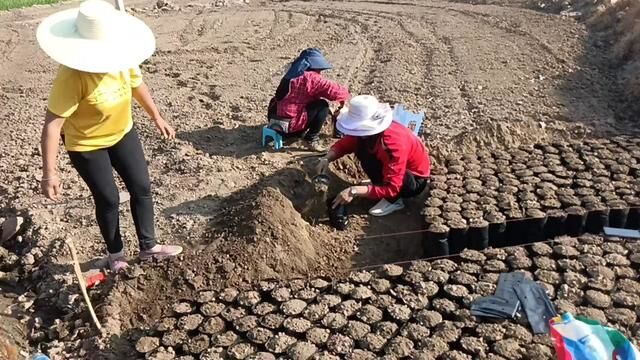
(16, 4)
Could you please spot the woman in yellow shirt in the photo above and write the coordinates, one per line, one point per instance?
(99, 49)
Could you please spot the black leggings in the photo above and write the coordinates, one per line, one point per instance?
(412, 185)
(95, 168)
(317, 113)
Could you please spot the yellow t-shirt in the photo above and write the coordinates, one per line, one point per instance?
(97, 107)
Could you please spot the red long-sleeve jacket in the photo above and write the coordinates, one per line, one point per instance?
(303, 90)
(399, 150)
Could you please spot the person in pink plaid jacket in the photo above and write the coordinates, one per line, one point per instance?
(300, 105)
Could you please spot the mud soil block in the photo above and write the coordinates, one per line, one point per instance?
(576, 221)
(263, 308)
(496, 266)
(415, 332)
(555, 225)
(334, 321)
(457, 238)
(280, 343)
(444, 306)
(545, 263)
(198, 344)
(174, 338)
(213, 325)
(399, 347)
(373, 342)
(478, 234)
(297, 325)
(386, 329)
(382, 301)
(573, 295)
(259, 335)
(625, 272)
(356, 330)
(412, 277)
(597, 299)
(597, 218)
(301, 350)
(456, 292)
(272, 321)
(497, 229)
(348, 308)
(293, 307)
(618, 213)
(519, 262)
(549, 277)
(318, 336)
(575, 280)
(381, 286)
(369, 314)
(183, 308)
(593, 313)
(436, 242)
(281, 294)
(447, 331)
(461, 278)
(508, 348)
(566, 251)
(400, 313)
(324, 356)
(190, 322)
(626, 299)
(437, 276)
(534, 225)
(340, 344)
(166, 324)
(429, 318)
(390, 271)
(344, 288)
(307, 294)
(624, 317)
(470, 268)
(147, 344)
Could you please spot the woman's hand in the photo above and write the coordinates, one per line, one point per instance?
(165, 129)
(51, 187)
(322, 166)
(343, 198)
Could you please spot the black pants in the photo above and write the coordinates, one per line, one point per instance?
(412, 185)
(95, 168)
(317, 113)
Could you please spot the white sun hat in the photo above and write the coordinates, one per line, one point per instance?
(364, 116)
(96, 38)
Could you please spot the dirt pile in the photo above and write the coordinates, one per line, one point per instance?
(420, 311)
(273, 240)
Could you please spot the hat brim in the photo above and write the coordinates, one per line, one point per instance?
(372, 129)
(131, 43)
(319, 63)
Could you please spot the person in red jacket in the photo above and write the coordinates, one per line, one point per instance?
(300, 103)
(393, 157)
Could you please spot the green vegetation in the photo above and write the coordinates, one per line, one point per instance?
(15, 4)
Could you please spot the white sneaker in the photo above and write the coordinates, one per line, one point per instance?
(383, 207)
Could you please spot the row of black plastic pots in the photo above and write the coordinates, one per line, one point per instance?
(496, 231)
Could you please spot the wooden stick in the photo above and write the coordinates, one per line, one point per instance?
(83, 285)
(120, 5)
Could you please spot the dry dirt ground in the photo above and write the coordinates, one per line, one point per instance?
(485, 74)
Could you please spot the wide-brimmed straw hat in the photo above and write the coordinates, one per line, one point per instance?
(96, 38)
(364, 116)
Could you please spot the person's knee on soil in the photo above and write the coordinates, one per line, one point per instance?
(396, 161)
(301, 102)
(91, 100)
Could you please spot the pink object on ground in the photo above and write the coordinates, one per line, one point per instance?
(160, 252)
